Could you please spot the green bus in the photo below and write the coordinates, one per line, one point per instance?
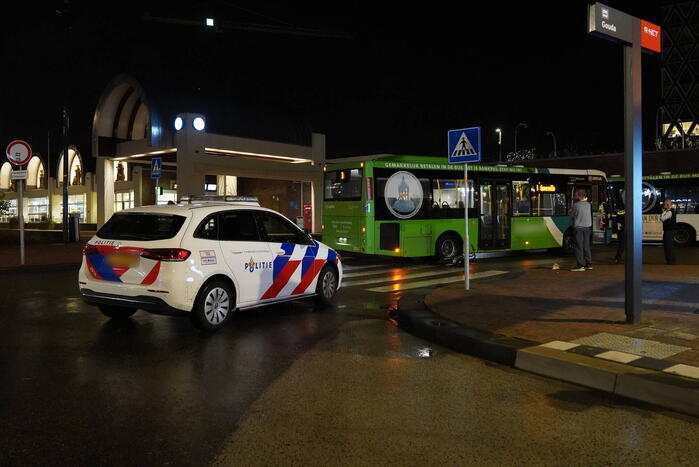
(413, 206)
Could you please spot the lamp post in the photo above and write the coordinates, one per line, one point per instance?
(524, 125)
(499, 132)
(550, 133)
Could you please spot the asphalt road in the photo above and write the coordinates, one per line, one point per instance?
(291, 385)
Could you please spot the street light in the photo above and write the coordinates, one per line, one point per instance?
(499, 132)
(549, 133)
(517, 128)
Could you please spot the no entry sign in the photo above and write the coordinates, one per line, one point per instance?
(18, 152)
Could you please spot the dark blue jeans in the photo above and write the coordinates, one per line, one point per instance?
(582, 246)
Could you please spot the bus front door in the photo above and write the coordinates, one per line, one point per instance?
(494, 219)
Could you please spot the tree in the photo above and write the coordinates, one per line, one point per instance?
(4, 206)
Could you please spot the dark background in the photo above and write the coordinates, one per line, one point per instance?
(405, 75)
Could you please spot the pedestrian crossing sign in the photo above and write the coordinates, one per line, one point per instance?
(156, 167)
(464, 145)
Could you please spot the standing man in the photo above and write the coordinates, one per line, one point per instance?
(581, 212)
(669, 219)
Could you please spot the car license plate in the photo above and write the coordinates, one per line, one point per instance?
(122, 260)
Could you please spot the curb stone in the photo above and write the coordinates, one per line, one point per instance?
(668, 391)
(419, 320)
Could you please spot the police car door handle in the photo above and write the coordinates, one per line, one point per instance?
(281, 252)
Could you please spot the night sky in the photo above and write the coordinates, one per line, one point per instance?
(403, 75)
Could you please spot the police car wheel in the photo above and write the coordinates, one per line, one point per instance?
(213, 307)
(116, 312)
(327, 285)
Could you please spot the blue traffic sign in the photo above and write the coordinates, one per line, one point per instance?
(465, 145)
(156, 167)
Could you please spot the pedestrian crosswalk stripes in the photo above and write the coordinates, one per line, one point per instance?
(398, 275)
(393, 269)
(347, 268)
(385, 277)
(444, 280)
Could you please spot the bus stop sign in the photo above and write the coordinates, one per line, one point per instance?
(464, 145)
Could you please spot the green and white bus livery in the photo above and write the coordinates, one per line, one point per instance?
(682, 189)
(414, 206)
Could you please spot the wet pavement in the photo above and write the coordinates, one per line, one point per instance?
(292, 385)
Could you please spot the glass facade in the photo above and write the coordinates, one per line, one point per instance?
(37, 209)
(286, 197)
(166, 197)
(123, 200)
(76, 204)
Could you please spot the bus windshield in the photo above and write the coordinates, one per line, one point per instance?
(343, 185)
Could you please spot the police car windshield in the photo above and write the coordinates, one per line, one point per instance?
(141, 226)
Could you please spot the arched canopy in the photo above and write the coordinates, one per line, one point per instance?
(5, 172)
(35, 172)
(122, 113)
(131, 109)
(76, 171)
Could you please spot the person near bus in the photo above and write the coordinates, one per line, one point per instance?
(669, 219)
(581, 213)
(620, 227)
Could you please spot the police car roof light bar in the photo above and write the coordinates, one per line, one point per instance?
(225, 198)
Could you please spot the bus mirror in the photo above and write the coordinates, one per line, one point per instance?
(469, 197)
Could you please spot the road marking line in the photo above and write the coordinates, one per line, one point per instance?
(444, 280)
(349, 267)
(400, 277)
(395, 268)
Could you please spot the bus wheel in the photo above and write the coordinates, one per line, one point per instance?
(684, 236)
(448, 247)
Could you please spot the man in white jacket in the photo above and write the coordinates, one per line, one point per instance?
(669, 219)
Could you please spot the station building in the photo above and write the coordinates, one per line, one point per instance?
(43, 193)
(205, 148)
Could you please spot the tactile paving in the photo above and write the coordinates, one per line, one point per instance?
(632, 345)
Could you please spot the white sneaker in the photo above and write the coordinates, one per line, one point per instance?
(580, 269)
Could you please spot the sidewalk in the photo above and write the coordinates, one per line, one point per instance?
(42, 256)
(570, 326)
(544, 305)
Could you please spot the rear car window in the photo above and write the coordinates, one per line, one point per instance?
(141, 226)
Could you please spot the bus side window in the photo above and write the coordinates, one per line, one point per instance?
(522, 198)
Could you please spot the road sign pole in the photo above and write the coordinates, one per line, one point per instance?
(19, 153)
(633, 167)
(467, 249)
(66, 175)
(635, 35)
(20, 212)
(464, 146)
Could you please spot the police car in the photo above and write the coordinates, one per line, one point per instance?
(206, 257)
